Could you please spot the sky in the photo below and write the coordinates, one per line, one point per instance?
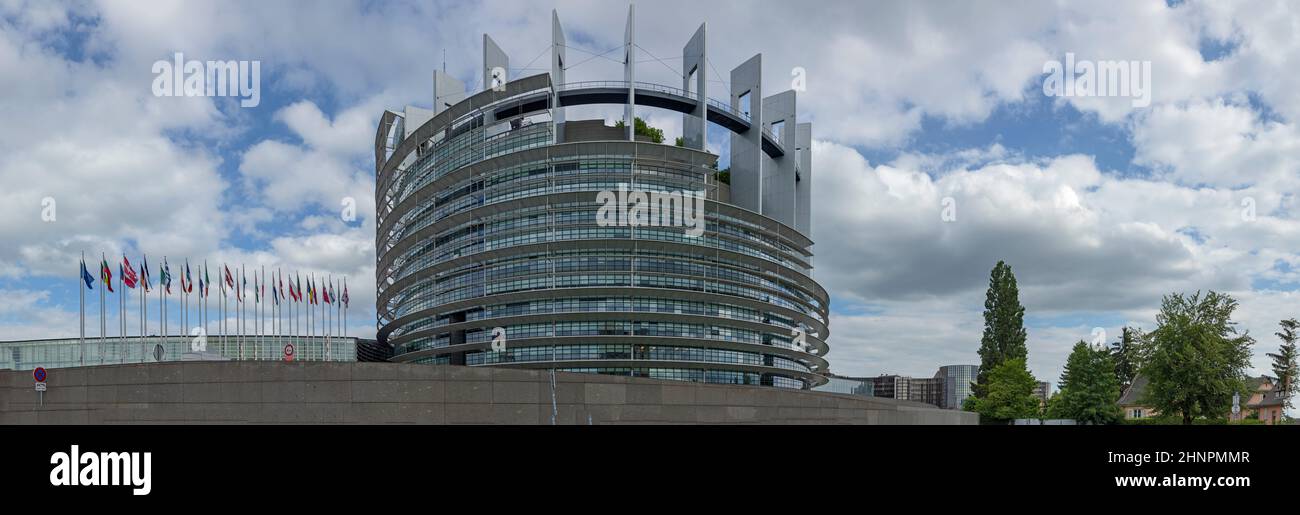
(936, 150)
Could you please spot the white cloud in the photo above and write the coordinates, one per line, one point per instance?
(132, 172)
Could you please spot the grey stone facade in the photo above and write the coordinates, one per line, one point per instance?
(387, 393)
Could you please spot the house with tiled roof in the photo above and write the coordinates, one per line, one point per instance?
(1262, 399)
(1269, 404)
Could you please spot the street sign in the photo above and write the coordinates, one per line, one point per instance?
(40, 387)
(288, 352)
(39, 374)
(158, 352)
(1236, 404)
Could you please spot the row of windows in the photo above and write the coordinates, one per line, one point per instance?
(716, 267)
(693, 375)
(588, 352)
(465, 242)
(479, 191)
(601, 304)
(608, 328)
(413, 301)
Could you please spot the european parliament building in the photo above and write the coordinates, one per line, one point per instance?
(489, 221)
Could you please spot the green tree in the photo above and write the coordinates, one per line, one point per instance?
(1010, 393)
(1089, 387)
(1196, 359)
(640, 128)
(1004, 326)
(1127, 355)
(1284, 360)
(724, 176)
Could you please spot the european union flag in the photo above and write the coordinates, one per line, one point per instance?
(85, 276)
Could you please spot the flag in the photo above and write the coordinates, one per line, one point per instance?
(205, 279)
(230, 281)
(106, 275)
(144, 274)
(85, 276)
(275, 294)
(257, 295)
(298, 280)
(165, 276)
(280, 280)
(189, 281)
(128, 273)
(345, 294)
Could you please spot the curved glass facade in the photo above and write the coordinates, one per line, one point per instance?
(490, 221)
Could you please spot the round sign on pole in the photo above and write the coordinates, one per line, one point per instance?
(288, 352)
(158, 352)
(39, 374)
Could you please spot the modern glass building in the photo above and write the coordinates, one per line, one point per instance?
(849, 385)
(958, 380)
(494, 216)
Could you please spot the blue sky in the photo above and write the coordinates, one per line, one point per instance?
(1101, 207)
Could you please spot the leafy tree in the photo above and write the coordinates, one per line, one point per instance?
(1089, 387)
(1127, 355)
(1010, 393)
(1196, 359)
(640, 128)
(1004, 326)
(1284, 360)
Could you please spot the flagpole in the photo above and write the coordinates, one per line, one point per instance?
(121, 312)
(162, 313)
(263, 313)
(294, 313)
(311, 315)
(325, 319)
(144, 329)
(81, 287)
(239, 311)
(221, 322)
(275, 325)
(162, 304)
(144, 307)
(103, 324)
(243, 314)
(166, 285)
(144, 315)
(185, 305)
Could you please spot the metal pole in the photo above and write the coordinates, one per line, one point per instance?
(81, 288)
(121, 312)
(103, 325)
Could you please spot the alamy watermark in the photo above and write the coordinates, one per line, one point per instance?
(638, 208)
(181, 78)
(1084, 78)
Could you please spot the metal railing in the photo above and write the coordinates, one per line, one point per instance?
(650, 86)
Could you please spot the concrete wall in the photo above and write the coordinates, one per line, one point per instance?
(389, 393)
